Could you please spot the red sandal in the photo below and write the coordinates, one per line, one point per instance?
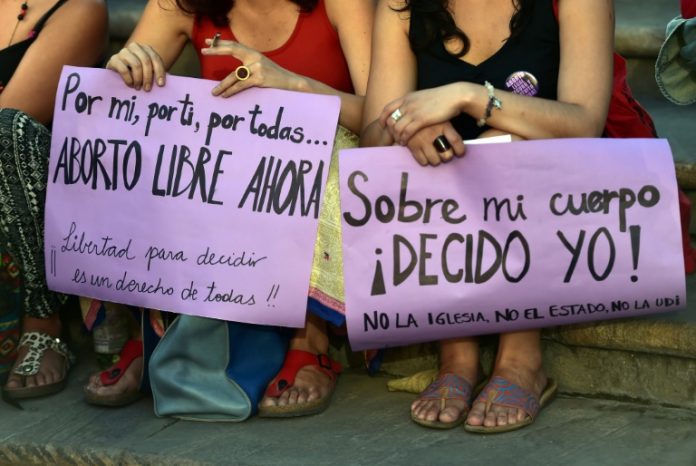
(294, 361)
(132, 350)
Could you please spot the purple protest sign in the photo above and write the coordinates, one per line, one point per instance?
(178, 200)
(511, 236)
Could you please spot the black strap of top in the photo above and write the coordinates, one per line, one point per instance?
(44, 18)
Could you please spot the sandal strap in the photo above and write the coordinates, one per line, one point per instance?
(296, 360)
(448, 387)
(38, 343)
(502, 392)
(132, 350)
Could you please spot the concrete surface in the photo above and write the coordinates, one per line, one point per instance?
(366, 425)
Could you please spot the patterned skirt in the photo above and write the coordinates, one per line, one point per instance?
(24, 151)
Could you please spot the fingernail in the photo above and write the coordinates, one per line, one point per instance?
(160, 81)
(147, 88)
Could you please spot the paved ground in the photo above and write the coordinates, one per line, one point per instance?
(366, 425)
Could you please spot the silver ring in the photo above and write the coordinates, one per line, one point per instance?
(397, 115)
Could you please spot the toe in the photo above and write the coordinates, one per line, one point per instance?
(14, 382)
(450, 414)
(512, 416)
(476, 415)
(283, 398)
(30, 381)
(490, 418)
(432, 412)
(313, 394)
(294, 395)
(302, 396)
(268, 401)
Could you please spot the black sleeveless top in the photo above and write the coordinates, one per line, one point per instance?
(526, 64)
(11, 56)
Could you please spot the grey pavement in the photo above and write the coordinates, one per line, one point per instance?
(365, 425)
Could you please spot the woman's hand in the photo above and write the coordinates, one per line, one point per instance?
(427, 150)
(262, 71)
(419, 109)
(138, 65)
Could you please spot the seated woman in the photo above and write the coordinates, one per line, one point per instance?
(446, 70)
(39, 37)
(318, 46)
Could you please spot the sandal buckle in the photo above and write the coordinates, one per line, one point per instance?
(324, 361)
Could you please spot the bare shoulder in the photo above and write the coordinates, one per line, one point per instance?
(85, 8)
(87, 14)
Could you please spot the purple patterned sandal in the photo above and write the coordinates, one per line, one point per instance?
(446, 387)
(502, 392)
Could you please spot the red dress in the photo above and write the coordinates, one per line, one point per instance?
(313, 50)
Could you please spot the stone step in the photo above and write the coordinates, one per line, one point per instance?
(365, 426)
(651, 359)
(640, 26)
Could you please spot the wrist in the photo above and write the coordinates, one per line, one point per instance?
(467, 97)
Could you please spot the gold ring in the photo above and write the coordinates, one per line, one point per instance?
(396, 115)
(242, 72)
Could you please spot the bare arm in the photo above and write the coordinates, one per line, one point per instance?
(393, 70)
(74, 35)
(393, 74)
(353, 21)
(584, 87)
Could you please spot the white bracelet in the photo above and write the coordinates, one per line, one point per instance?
(493, 101)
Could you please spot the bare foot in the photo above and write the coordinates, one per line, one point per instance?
(458, 357)
(310, 382)
(52, 367)
(432, 410)
(532, 380)
(128, 383)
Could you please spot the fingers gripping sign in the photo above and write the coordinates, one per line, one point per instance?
(139, 65)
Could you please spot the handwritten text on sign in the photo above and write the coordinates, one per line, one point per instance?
(178, 200)
(512, 236)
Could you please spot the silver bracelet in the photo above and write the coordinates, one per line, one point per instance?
(493, 102)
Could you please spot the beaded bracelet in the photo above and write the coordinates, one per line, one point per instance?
(493, 101)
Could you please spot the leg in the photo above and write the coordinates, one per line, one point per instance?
(311, 383)
(24, 148)
(119, 385)
(518, 361)
(461, 358)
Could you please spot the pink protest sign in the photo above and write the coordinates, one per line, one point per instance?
(178, 200)
(512, 236)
